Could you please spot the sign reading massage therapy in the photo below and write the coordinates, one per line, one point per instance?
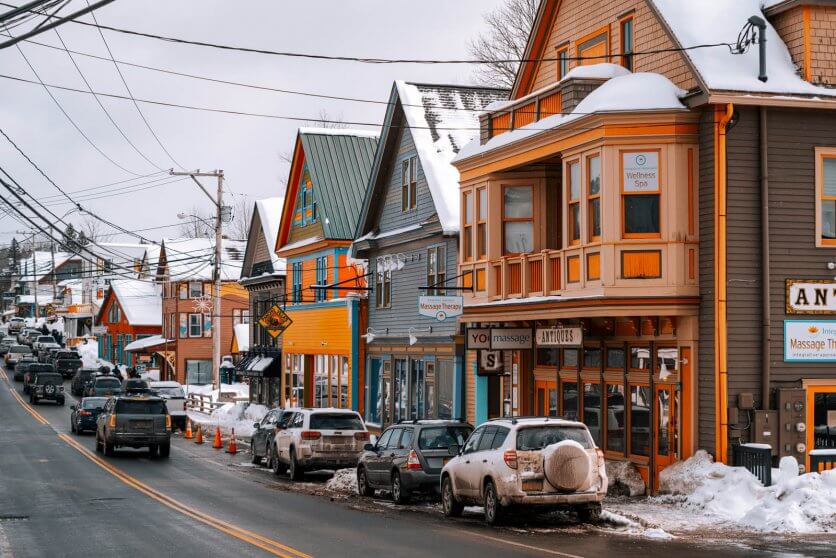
(811, 296)
(641, 171)
(809, 341)
(440, 307)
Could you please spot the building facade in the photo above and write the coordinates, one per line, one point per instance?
(325, 292)
(408, 233)
(132, 310)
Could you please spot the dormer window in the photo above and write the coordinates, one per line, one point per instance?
(305, 204)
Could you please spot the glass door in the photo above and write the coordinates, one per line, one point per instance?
(545, 399)
(664, 429)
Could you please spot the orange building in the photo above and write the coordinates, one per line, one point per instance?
(131, 310)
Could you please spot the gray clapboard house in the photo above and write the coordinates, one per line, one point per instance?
(408, 232)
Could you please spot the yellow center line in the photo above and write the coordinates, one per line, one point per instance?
(520, 545)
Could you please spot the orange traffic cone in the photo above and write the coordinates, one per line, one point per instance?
(199, 438)
(233, 446)
(218, 444)
(188, 435)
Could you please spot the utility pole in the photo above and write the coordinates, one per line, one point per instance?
(34, 272)
(52, 255)
(220, 216)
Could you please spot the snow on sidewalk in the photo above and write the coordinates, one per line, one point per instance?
(239, 416)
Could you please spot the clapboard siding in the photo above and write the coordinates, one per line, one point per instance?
(705, 376)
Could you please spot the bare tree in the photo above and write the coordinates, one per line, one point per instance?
(242, 214)
(92, 229)
(197, 224)
(503, 42)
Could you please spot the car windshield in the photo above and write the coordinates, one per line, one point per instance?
(46, 339)
(93, 402)
(170, 391)
(336, 421)
(538, 437)
(48, 378)
(21, 349)
(67, 354)
(442, 437)
(111, 383)
(131, 407)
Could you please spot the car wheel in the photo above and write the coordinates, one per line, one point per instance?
(164, 450)
(399, 494)
(493, 508)
(590, 513)
(98, 444)
(109, 450)
(275, 465)
(296, 473)
(152, 450)
(363, 486)
(33, 399)
(449, 504)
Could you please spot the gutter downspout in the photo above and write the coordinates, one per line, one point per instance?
(722, 116)
(766, 304)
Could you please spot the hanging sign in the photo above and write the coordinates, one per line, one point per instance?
(511, 339)
(478, 338)
(490, 363)
(275, 321)
(811, 296)
(809, 341)
(440, 307)
(560, 337)
(640, 171)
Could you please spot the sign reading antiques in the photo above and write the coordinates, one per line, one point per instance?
(641, 171)
(275, 321)
(809, 341)
(811, 296)
(440, 307)
(560, 337)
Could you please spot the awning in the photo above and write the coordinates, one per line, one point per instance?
(146, 343)
(262, 367)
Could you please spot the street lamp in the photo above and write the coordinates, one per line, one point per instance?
(206, 222)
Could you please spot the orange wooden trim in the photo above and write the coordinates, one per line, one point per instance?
(525, 114)
(573, 269)
(624, 234)
(480, 279)
(811, 399)
(557, 52)
(593, 266)
(822, 153)
(807, 66)
(289, 209)
(536, 47)
(641, 264)
(603, 30)
(692, 274)
(690, 191)
(500, 123)
(551, 104)
(686, 423)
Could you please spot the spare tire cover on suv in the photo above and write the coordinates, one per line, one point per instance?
(567, 466)
(49, 388)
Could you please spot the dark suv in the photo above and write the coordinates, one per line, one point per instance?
(408, 457)
(264, 433)
(103, 386)
(134, 421)
(66, 363)
(23, 366)
(46, 386)
(82, 378)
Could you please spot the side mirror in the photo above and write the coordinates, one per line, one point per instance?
(453, 450)
(369, 447)
(257, 425)
(73, 408)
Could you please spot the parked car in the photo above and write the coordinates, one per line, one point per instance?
(28, 336)
(545, 463)
(46, 386)
(103, 386)
(135, 385)
(319, 439)
(22, 366)
(47, 351)
(16, 324)
(84, 415)
(31, 370)
(15, 353)
(67, 362)
(82, 378)
(42, 340)
(264, 433)
(134, 421)
(6, 343)
(408, 457)
(175, 401)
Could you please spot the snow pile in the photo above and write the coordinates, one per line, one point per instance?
(236, 390)
(631, 527)
(89, 353)
(239, 416)
(800, 504)
(624, 478)
(344, 480)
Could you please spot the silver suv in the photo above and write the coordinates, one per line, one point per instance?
(544, 462)
(312, 439)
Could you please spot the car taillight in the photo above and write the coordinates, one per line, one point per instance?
(510, 458)
(362, 436)
(311, 435)
(112, 421)
(85, 414)
(184, 406)
(168, 422)
(412, 461)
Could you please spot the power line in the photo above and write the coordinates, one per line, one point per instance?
(58, 22)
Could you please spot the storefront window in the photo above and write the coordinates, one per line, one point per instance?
(663, 400)
(373, 409)
(640, 420)
(592, 410)
(417, 404)
(615, 358)
(297, 381)
(570, 359)
(548, 357)
(592, 357)
(639, 358)
(199, 372)
(444, 381)
(344, 383)
(615, 417)
(385, 398)
(401, 380)
(666, 358)
(321, 382)
(569, 397)
(429, 390)
(824, 420)
(518, 220)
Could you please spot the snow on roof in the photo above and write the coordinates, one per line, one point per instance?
(631, 92)
(191, 258)
(146, 342)
(270, 215)
(442, 119)
(42, 264)
(375, 236)
(720, 21)
(140, 301)
(302, 243)
(339, 132)
(242, 337)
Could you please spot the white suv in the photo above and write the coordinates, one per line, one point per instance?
(545, 462)
(318, 439)
(175, 401)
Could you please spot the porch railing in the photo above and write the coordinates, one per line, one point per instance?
(756, 459)
(822, 460)
(536, 274)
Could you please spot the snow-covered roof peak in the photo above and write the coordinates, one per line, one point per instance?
(338, 132)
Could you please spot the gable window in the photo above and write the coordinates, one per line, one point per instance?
(183, 291)
(573, 188)
(383, 286)
(594, 48)
(481, 223)
(626, 40)
(321, 278)
(826, 198)
(296, 294)
(195, 325)
(593, 173)
(436, 270)
(305, 204)
(409, 184)
(195, 289)
(517, 220)
(115, 314)
(641, 195)
(562, 62)
(467, 233)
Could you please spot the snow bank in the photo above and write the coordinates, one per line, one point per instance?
(800, 504)
(89, 353)
(239, 416)
(237, 390)
(344, 480)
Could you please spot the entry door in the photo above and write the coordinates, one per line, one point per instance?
(545, 398)
(665, 427)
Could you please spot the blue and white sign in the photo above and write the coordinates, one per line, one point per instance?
(809, 341)
(441, 307)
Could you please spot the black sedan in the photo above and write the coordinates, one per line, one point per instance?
(264, 436)
(84, 415)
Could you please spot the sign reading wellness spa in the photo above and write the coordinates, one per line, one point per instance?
(640, 171)
(809, 341)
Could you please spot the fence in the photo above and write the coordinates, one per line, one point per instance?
(202, 403)
(756, 459)
(822, 460)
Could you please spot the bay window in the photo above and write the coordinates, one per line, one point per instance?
(573, 190)
(641, 194)
(593, 173)
(517, 220)
(467, 231)
(481, 223)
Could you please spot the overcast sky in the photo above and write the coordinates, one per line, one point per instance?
(248, 149)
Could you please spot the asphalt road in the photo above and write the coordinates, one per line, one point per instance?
(59, 498)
